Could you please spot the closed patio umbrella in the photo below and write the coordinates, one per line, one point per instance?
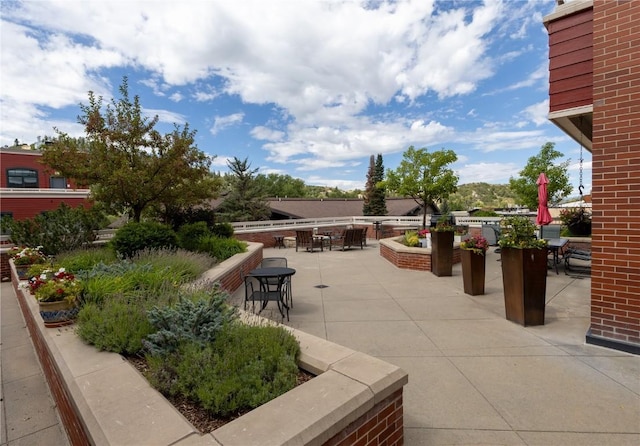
(543, 217)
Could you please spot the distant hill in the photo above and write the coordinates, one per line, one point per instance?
(481, 195)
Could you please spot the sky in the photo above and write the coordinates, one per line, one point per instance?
(306, 88)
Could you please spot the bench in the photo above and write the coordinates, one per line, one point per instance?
(577, 260)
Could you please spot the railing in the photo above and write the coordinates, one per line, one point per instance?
(270, 225)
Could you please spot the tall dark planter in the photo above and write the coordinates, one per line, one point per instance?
(524, 276)
(582, 228)
(442, 253)
(473, 269)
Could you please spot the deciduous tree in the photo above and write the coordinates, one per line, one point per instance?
(525, 186)
(127, 163)
(424, 176)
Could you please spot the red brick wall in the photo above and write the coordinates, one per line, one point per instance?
(615, 282)
(382, 425)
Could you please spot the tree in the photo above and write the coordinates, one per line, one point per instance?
(558, 188)
(244, 201)
(374, 197)
(424, 177)
(127, 163)
(276, 185)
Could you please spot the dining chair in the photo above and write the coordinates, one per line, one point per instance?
(305, 239)
(279, 262)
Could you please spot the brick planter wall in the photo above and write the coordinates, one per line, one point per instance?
(410, 258)
(367, 392)
(615, 273)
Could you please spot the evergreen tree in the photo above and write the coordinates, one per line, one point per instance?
(374, 196)
(378, 199)
(245, 200)
(369, 188)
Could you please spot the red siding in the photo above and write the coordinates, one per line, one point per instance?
(571, 61)
(615, 281)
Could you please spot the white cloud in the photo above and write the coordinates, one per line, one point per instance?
(267, 134)
(222, 122)
(487, 172)
(165, 116)
(538, 112)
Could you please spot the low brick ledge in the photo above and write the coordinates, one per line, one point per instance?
(103, 400)
(408, 257)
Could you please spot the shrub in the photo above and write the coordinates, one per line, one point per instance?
(411, 238)
(224, 230)
(119, 324)
(486, 213)
(180, 266)
(189, 235)
(221, 248)
(134, 237)
(84, 259)
(62, 229)
(198, 318)
(245, 367)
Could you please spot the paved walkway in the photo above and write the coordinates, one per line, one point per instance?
(27, 411)
(474, 377)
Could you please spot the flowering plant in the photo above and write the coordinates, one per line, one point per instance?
(411, 238)
(574, 215)
(27, 256)
(422, 233)
(56, 287)
(475, 243)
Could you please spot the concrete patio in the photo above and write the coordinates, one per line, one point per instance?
(474, 378)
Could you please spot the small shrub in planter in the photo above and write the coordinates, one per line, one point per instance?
(134, 237)
(245, 367)
(221, 248)
(189, 235)
(224, 230)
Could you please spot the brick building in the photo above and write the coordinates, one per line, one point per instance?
(28, 188)
(594, 96)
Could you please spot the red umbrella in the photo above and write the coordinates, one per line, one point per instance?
(543, 217)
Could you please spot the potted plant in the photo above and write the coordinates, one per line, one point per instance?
(24, 257)
(577, 220)
(472, 255)
(57, 295)
(442, 247)
(424, 236)
(524, 271)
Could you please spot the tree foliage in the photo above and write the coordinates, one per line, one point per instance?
(525, 186)
(245, 200)
(276, 185)
(374, 196)
(127, 163)
(424, 176)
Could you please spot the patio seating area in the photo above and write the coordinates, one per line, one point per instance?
(474, 377)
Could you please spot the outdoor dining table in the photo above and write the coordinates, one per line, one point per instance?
(555, 245)
(272, 280)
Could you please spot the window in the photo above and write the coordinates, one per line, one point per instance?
(22, 178)
(58, 183)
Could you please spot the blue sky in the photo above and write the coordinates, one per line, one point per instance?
(308, 88)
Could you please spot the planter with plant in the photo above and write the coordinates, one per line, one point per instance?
(57, 295)
(524, 271)
(442, 247)
(472, 256)
(424, 237)
(24, 258)
(577, 221)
